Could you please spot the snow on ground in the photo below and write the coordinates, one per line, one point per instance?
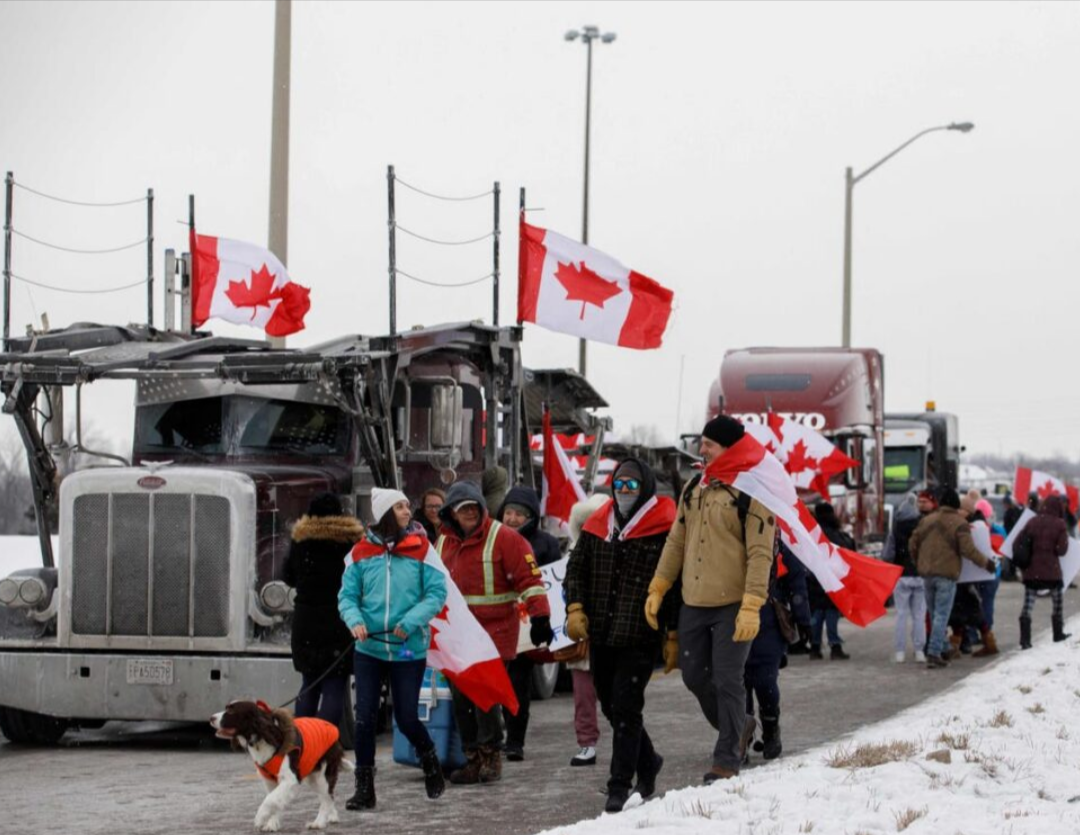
(21, 552)
(999, 753)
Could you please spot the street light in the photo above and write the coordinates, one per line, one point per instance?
(849, 187)
(587, 35)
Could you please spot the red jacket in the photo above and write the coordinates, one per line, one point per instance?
(493, 568)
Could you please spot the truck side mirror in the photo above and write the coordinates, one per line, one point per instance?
(446, 416)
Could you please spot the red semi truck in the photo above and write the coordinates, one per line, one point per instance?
(839, 392)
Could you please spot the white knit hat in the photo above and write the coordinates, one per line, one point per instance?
(382, 500)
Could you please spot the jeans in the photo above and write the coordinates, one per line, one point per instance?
(585, 726)
(910, 599)
(940, 593)
(988, 590)
(521, 674)
(712, 665)
(620, 675)
(326, 700)
(406, 678)
(830, 619)
(477, 728)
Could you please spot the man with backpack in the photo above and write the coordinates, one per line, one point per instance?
(722, 546)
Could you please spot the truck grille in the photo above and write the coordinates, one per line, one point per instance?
(150, 565)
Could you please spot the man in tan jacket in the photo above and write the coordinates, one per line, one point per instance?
(721, 546)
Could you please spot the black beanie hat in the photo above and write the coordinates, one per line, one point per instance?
(724, 430)
(325, 504)
(949, 498)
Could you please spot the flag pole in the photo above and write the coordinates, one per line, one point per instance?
(495, 254)
(187, 294)
(278, 238)
(392, 228)
(521, 246)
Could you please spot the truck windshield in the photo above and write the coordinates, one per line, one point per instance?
(238, 425)
(904, 468)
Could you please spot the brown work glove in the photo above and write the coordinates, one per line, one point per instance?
(657, 589)
(748, 621)
(577, 623)
(671, 652)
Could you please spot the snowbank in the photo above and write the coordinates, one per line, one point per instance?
(1006, 748)
(21, 552)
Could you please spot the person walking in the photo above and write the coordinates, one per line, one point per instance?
(320, 540)
(1049, 541)
(389, 594)
(988, 589)
(909, 595)
(721, 546)
(939, 542)
(494, 567)
(520, 511)
(431, 502)
(606, 588)
(824, 611)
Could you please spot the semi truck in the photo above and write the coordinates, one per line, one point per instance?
(839, 392)
(922, 449)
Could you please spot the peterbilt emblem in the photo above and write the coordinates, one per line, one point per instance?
(151, 482)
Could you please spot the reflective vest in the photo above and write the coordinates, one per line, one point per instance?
(489, 597)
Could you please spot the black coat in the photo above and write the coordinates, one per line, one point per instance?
(545, 547)
(314, 567)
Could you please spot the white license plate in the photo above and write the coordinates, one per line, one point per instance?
(149, 671)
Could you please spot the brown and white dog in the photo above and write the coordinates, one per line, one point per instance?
(288, 753)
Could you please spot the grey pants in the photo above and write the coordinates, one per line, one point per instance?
(476, 727)
(712, 668)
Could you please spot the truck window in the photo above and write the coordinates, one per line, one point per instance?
(187, 425)
(903, 468)
(777, 382)
(289, 426)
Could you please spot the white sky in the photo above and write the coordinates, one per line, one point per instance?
(720, 137)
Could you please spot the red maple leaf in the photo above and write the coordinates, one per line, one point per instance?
(798, 461)
(259, 293)
(1048, 489)
(433, 644)
(585, 286)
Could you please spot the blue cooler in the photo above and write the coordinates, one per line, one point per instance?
(437, 712)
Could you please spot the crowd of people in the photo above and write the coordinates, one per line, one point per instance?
(702, 583)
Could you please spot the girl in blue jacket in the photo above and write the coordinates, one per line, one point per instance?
(389, 594)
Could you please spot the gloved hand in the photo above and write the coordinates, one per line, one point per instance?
(748, 621)
(540, 631)
(671, 652)
(577, 623)
(657, 589)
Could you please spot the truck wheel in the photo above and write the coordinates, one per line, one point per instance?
(545, 677)
(29, 728)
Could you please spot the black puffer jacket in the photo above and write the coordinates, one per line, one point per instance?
(545, 546)
(314, 567)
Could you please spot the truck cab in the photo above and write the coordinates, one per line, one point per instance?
(922, 449)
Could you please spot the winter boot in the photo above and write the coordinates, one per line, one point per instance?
(770, 737)
(469, 773)
(616, 799)
(434, 783)
(953, 652)
(364, 797)
(490, 764)
(815, 652)
(1025, 633)
(836, 653)
(1059, 629)
(989, 646)
(646, 783)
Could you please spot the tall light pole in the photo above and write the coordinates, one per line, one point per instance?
(278, 237)
(588, 34)
(849, 188)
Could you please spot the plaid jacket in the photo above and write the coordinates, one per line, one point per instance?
(611, 581)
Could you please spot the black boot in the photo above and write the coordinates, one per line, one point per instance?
(770, 737)
(433, 776)
(364, 798)
(1025, 633)
(1059, 629)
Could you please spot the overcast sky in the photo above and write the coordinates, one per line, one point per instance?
(720, 136)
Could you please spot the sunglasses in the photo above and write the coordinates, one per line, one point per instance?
(628, 483)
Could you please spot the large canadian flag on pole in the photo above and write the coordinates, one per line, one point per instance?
(561, 488)
(1029, 481)
(857, 584)
(807, 455)
(572, 288)
(246, 285)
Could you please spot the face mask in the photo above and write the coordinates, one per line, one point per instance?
(625, 501)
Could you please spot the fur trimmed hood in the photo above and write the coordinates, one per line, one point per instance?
(344, 529)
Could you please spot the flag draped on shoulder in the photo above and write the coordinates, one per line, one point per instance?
(1029, 481)
(572, 288)
(244, 284)
(809, 457)
(464, 651)
(561, 489)
(857, 584)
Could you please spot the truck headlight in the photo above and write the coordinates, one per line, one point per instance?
(32, 591)
(23, 592)
(277, 596)
(9, 591)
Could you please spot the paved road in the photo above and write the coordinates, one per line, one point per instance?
(155, 779)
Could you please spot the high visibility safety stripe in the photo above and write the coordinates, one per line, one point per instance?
(491, 599)
(489, 566)
(532, 591)
(439, 544)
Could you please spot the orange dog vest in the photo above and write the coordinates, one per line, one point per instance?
(314, 738)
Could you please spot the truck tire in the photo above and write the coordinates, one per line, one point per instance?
(545, 677)
(28, 728)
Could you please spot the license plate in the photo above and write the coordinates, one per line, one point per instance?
(149, 671)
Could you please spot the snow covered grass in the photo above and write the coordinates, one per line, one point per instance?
(998, 753)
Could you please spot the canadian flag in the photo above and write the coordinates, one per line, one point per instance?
(569, 287)
(246, 285)
(857, 584)
(464, 651)
(1029, 481)
(561, 488)
(808, 456)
